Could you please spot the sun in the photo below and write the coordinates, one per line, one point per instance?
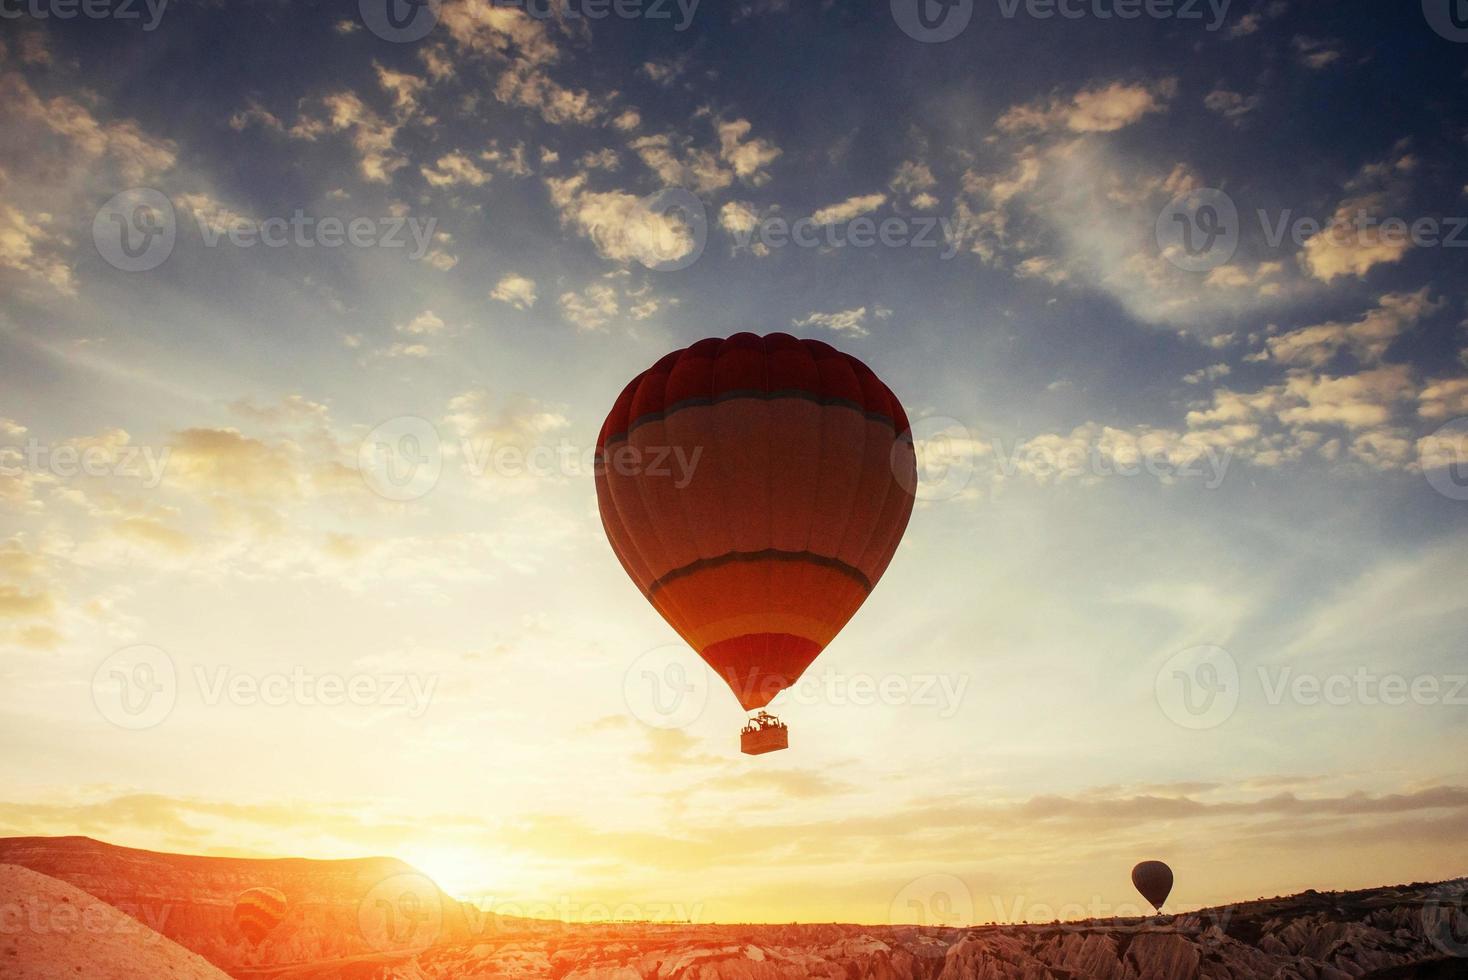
(459, 871)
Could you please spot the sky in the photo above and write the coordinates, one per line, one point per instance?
(311, 316)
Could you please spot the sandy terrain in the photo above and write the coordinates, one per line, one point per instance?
(50, 930)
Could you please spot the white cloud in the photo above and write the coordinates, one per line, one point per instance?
(604, 159)
(852, 207)
(621, 226)
(218, 216)
(534, 89)
(1316, 53)
(455, 169)
(665, 72)
(1368, 338)
(593, 308)
(913, 180)
(1103, 109)
(1443, 399)
(614, 297)
(748, 157)
(516, 290)
(1245, 25)
(1210, 373)
(137, 156)
(1354, 241)
(852, 323)
(372, 136)
(1357, 401)
(1231, 105)
(405, 89)
(679, 165)
(425, 324)
(29, 246)
(738, 217)
(516, 420)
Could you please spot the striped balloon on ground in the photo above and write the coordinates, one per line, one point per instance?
(258, 911)
(755, 489)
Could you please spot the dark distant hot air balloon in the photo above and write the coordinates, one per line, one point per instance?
(799, 491)
(1154, 880)
(257, 911)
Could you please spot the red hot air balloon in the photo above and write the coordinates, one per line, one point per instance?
(755, 489)
(1154, 880)
(257, 911)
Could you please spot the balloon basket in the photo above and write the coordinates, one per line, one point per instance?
(764, 733)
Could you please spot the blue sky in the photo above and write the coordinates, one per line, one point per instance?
(1285, 407)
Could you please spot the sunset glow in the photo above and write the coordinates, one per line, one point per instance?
(301, 553)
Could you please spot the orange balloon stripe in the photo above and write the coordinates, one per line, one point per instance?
(761, 597)
(755, 489)
(769, 554)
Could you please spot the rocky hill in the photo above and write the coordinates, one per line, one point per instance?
(336, 908)
(378, 919)
(48, 929)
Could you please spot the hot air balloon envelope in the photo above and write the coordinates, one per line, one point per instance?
(257, 911)
(755, 489)
(1154, 880)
